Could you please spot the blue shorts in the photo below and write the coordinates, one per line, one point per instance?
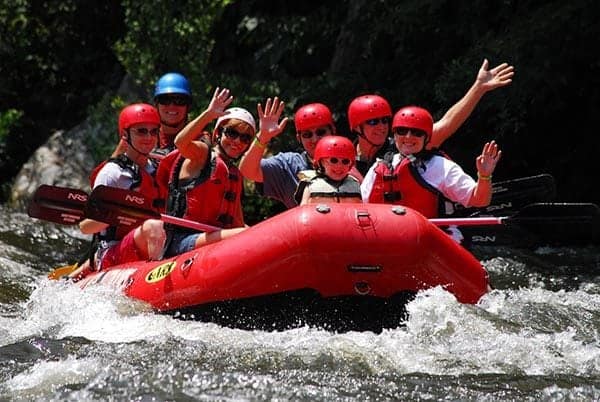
(181, 243)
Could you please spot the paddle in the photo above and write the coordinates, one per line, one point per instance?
(539, 223)
(58, 273)
(68, 206)
(534, 213)
(120, 207)
(114, 206)
(511, 195)
(58, 204)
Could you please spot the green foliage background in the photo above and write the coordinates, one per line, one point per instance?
(61, 58)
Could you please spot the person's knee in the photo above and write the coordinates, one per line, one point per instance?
(153, 228)
(150, 238)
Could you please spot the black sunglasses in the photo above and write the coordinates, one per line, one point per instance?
(382, 120)
(145, 131)
(320, 132)
(173, 100)
(233, 134)
(335, 161)
(405, 130)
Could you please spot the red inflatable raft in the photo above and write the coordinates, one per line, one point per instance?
(341, 266)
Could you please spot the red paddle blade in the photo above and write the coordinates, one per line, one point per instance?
(58, 204)
(119, 207)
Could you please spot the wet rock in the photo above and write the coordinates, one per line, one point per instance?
(63, 160)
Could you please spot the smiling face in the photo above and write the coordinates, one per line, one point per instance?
(310, 137)
(143, 137)
(336, 168)
(172, 115)
(376, 130)
(409, 140)
(235, 137)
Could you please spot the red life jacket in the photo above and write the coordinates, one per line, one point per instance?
(405, 186)
(212, 198)
(163, 173)
(143, 182)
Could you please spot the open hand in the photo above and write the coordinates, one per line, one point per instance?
(498, 76)
(270, 126)
(486, 162)
(219, 102)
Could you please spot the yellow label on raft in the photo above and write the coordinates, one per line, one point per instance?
(161, 272)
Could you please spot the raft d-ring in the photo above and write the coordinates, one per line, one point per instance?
(398, 210)
(188, 263)
(362, 288)
(323, 208)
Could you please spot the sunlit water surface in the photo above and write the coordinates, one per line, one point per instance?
(536, 336)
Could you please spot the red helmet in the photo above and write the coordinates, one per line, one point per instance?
(367, 107)
(414, 117)
(335, 146)
(311, 116)
(138, 113)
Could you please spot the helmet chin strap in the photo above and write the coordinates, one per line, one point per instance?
(134, 148)
(420, 153)
(362, 135)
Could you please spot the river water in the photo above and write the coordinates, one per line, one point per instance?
(535, 337)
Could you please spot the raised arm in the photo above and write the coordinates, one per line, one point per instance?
(270, 127)
(486, 163)
(187, 140)
(487, 80)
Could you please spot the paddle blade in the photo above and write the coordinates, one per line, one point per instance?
(58, 273)
(58, 204)
(509, 196)
(119, 207)
(523, 191)
(558, 224)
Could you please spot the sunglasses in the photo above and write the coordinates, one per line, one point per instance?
(145, 131)
(382, 120)
(335, 161)
(233, 134)
(320, 132)
(413, 131)
(173, 100)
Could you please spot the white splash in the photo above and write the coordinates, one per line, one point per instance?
(44, 377)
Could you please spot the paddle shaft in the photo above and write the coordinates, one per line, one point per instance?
(537, 213)
(118, 206)
(488, 220)
(188, 224)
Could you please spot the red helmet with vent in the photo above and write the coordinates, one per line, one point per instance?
(335, 146)
(414, 117)
(367, 107)
(311, 116)
(138, 113)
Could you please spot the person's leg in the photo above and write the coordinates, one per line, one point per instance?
(181, 243)
(150, 239)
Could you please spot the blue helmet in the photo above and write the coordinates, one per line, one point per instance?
(172, 83)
